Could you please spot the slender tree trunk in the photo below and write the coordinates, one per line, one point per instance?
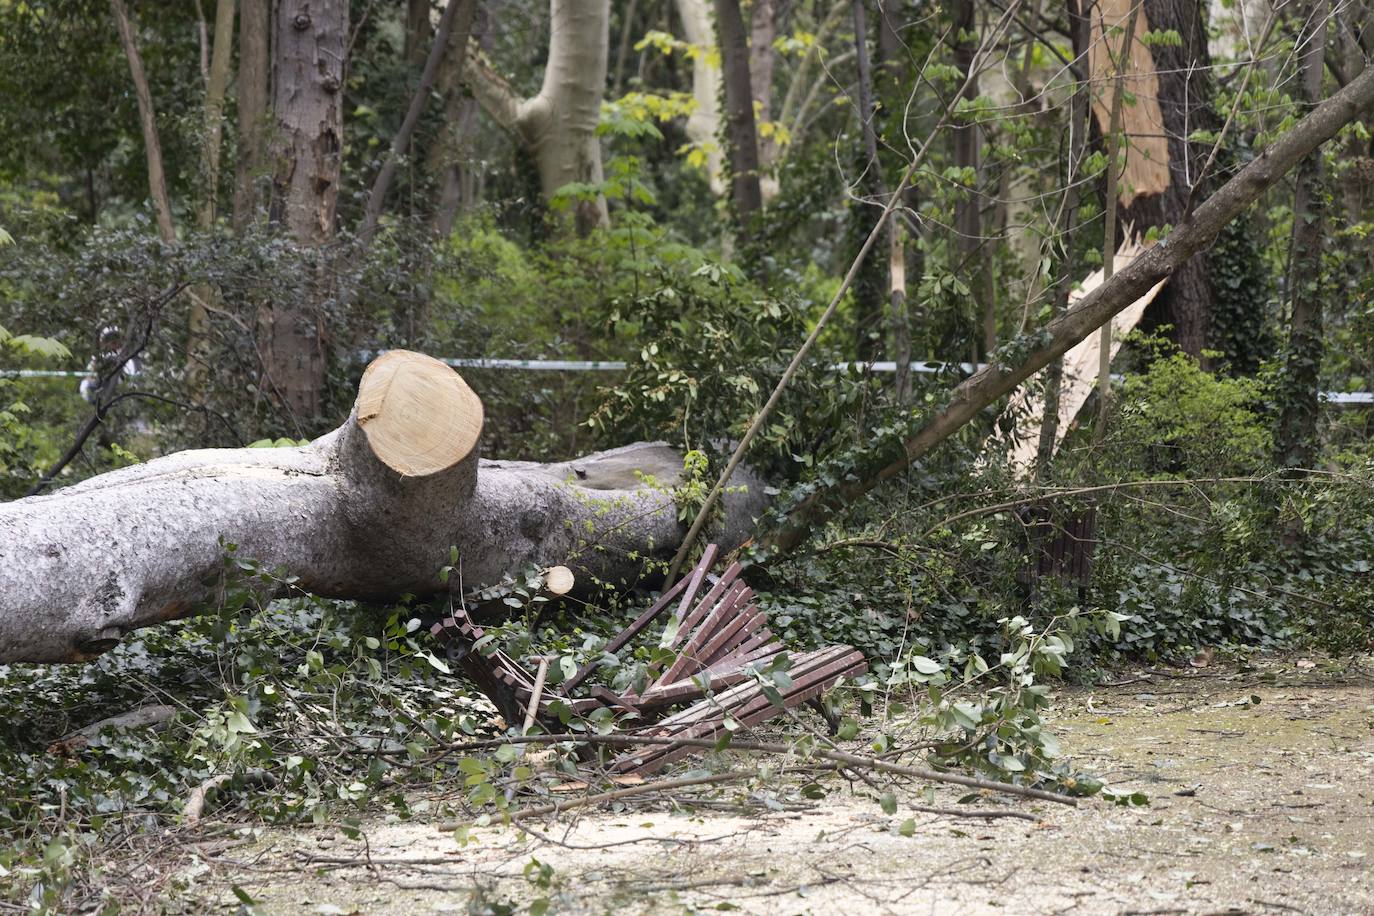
(1297, 429)
(742, 135)
(311, 37)
(622, 50)
(558, 126)
(1066, 228)
(762, 31)
(254, 28)
(455, 24)
(147, 119)
(877, 186)
(703, 124)
(888, 460)
(975, 259)
(203, 294)
(417, 31)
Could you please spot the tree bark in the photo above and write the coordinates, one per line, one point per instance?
(558, 126)
(311, 38)
(1296, 439)
(216, 83)
(742, 135)
(703, 124)
(762, 31)
(369, 512)
(147, 119)
(456, 23)
(974, 257)
(1173, 91)
(1157, 263)
(254, 29)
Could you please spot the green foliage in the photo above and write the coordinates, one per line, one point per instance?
(1176, 418)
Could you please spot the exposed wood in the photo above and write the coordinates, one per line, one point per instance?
(1147, 146)
(368, 511)
(1079, 368)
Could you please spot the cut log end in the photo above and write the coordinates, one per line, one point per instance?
(419, 416)
(559, 580)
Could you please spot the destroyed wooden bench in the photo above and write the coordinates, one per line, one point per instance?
(721, 639)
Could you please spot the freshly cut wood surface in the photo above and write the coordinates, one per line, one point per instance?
(419, 416)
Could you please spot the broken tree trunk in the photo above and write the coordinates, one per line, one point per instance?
(1125, 287)
(368, 511)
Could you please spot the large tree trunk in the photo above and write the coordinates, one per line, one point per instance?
(368, 511)
(1296, 440)
(558, 125)
(255, 24)
(1172, 89)
(310, 45)
(888, 460)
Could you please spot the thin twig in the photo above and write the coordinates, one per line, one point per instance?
(764, 747)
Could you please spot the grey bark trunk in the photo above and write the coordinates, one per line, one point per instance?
(558, 126)
(739, 116)
(703, 124)
(974, 260)
(254, 28)
(368, 511)
(1296, 440)
(310, 40)
(147, 119)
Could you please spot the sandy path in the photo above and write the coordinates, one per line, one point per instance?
(1277, 815)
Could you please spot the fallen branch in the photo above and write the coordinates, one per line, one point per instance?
(764, 747)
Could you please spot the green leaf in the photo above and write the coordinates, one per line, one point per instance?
(908, 827)
(925, 665)
(889, 803)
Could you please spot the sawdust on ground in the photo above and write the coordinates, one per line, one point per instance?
(1261, 787)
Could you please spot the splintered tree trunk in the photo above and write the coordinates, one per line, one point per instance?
(1128, 285)
(368, 511)
(311, 38)
(1172, 91)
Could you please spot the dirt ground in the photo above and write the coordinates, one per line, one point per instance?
(1261, 787)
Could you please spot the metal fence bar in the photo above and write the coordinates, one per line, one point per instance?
(1334, 398)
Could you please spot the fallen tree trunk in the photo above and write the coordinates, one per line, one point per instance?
(1097, 308)
(366, 512)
